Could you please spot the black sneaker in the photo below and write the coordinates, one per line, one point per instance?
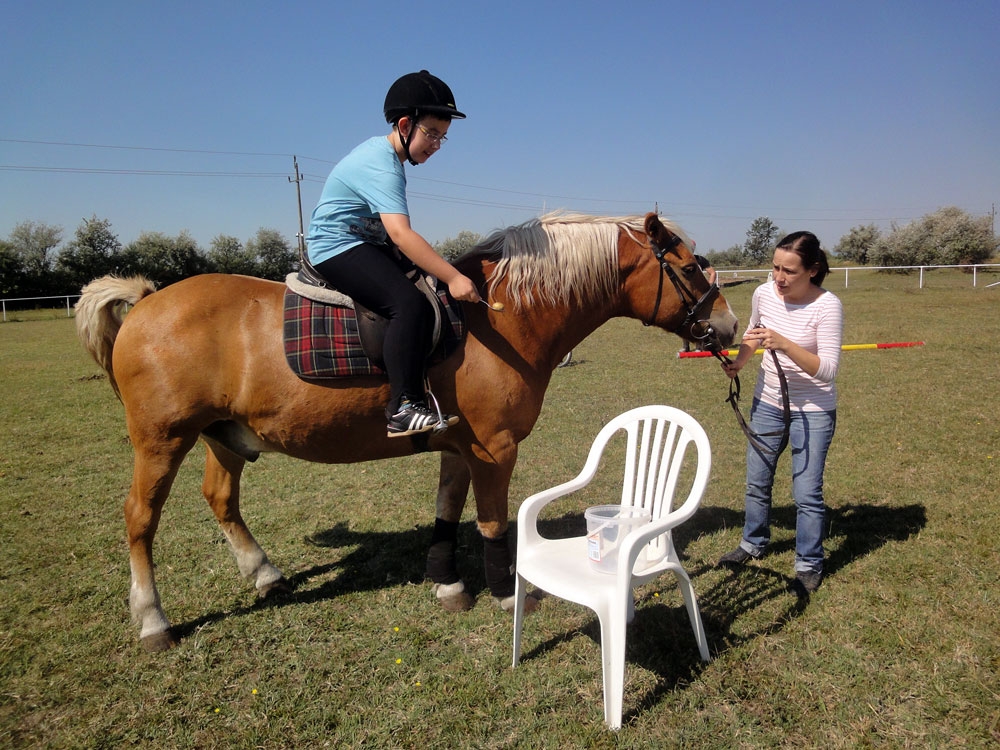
(808, 581)
(737, 557)
(413, 418)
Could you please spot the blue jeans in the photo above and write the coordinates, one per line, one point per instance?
(809, 437)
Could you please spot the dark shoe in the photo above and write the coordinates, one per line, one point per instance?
(737, 557)
(807, 581)
(414, 417)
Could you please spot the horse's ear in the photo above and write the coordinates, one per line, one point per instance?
(657, 233)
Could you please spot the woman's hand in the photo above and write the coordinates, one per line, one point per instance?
(767, 339)
(731, 369)
(771, 340)
(751, 340)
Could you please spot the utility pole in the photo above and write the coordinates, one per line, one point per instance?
(298, 179)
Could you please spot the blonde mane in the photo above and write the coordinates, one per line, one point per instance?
(562, 256)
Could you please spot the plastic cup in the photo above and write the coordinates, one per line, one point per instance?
(607, 527)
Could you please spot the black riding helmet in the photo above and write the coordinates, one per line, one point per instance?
(417, 94)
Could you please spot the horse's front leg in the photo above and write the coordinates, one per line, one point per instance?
(453, 489)
(221, 488)
(491, 486)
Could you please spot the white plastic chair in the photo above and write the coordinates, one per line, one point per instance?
(656, 448)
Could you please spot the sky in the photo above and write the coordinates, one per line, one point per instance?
(186, 116)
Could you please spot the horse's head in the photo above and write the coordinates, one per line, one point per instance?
(699, 312)
(603, 267)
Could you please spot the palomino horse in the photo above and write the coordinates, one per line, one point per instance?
(204, 358)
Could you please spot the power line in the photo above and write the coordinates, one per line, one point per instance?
(139, 148)
(303, 177)
(156, 172)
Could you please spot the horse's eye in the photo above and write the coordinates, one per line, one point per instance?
(690, 269)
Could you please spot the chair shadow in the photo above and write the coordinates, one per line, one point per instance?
(856, 529)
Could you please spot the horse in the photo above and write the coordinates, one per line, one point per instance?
(203, 359)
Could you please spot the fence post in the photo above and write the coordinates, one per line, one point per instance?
(921, 277)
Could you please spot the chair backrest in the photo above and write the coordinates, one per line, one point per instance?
(657, 441)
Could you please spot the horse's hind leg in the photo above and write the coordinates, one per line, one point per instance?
(221, 487)
(152, 478)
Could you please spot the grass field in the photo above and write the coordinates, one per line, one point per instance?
(900, 647)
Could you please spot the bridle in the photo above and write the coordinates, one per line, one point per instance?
(694, 306)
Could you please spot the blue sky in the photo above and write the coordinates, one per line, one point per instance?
(821, 116)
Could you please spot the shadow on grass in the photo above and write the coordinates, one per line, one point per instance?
(660, 638)
(372, 561)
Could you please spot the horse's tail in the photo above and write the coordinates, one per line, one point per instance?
(99, 314)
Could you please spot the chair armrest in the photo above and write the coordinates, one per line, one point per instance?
(527, 514)
(638, 538)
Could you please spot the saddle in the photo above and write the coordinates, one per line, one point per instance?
(329, 335)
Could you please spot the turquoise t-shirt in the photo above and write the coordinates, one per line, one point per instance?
(367, 182)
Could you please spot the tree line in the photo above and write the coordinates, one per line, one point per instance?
(949, 236)
(35, 263)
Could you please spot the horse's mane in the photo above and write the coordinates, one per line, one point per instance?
(561, 256)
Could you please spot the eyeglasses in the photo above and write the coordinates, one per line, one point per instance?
(437, 140)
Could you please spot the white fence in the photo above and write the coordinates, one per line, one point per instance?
(67, 297)
(848, 270)
(722, 273)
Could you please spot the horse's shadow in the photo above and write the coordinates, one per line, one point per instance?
(366, 561)
(377, 560)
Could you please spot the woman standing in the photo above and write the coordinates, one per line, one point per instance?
(802, 323)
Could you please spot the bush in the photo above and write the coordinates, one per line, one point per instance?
(949, 236)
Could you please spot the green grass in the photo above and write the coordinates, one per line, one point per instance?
(898, 648)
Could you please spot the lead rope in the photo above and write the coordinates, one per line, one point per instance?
(734, 397)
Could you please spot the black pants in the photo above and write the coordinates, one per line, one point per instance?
(372, 276)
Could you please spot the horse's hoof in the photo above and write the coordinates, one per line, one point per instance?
(272, 590)
(506, 603)
(453, 597)
(458, 603)
(156, 642)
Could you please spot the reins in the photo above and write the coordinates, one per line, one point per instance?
(734, 398)
(694, 305)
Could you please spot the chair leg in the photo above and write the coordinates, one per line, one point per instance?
(691, 603)
(613, 633)
(520, 591)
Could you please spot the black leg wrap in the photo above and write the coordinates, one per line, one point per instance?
(441, 566)
(445, 531)
(499, 566)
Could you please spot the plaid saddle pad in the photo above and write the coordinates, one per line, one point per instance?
(322, 341)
